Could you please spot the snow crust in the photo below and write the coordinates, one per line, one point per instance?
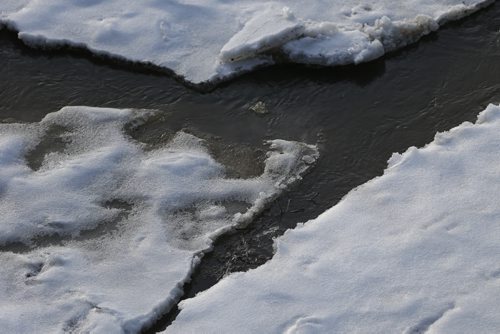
(415, 250)
(101, 237)
(211, 40)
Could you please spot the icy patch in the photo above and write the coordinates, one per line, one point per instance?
(259, 108)
(211, 40)
(111, 230)
(267, 30)
(340, 48)
(415, 250)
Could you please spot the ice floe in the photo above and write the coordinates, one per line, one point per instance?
(100, 234)
(415, 250)
(211, 40)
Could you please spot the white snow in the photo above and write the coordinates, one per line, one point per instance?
(88, 265)
(415, 250)
(211, 40)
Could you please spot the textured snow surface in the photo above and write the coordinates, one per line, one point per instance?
(210, 40)
(100, 236)
(415, 250)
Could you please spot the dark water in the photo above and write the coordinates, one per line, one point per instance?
(357, 115)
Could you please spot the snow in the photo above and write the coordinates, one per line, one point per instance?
(212, 40)
(415, 250)
(101, 237)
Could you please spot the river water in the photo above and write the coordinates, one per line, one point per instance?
(358, 116)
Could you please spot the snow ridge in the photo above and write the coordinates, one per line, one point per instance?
(212, 40)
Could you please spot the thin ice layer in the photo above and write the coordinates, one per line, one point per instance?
(102, 235)
(211, 40)
(415, 250)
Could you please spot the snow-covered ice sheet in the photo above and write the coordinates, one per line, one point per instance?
(211, 40)
(102, 235)
(415, 250)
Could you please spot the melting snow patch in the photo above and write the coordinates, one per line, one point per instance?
(415, 250)
(211, 40)
(111, 230)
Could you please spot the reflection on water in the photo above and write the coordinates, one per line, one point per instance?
(357, 115)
